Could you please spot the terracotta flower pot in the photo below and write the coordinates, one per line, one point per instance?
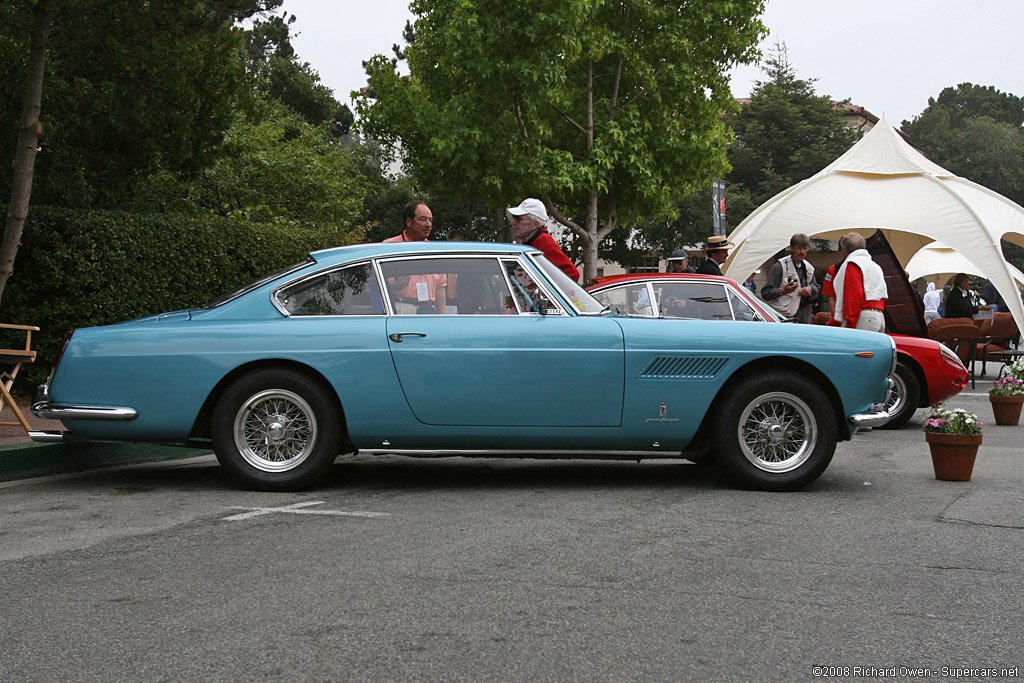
(1006, 408)
(953, 454)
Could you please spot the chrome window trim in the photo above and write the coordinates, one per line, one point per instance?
(567, 304)
(542, 281)
(318, 273)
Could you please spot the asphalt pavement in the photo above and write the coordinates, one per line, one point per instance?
(520, 570)
(21, 458)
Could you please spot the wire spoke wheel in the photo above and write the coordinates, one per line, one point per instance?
(904, 397)
(898, 396)
(777, 432)
(275, 430)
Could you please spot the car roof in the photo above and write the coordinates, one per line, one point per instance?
(648, 277)
(377, 249)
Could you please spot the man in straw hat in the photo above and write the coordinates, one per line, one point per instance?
(717, 250)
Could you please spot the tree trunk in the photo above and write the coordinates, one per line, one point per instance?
(501, 227)
(591, 240)
(28, 140)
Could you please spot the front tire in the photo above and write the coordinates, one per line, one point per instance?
(904, 397)
(276, 430)
(776, 432)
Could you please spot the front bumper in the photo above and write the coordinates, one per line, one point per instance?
(876, 415)
(871, 418)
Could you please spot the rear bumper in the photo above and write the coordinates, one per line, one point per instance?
(51, 436)
(44, 408)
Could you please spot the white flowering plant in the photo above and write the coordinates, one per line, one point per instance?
(956, 421)
(1015, 369)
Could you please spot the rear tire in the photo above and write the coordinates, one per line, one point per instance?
(776, 432)
(276, 430)
(904, 398)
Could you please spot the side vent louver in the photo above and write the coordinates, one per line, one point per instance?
(669, 367)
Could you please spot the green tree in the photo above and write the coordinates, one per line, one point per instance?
(608, 110)
(38, 27)
(968, 101)
(130, 87)
(691, 226)
(785, 134)
(975, 131)
(274, 168)
(280, 76)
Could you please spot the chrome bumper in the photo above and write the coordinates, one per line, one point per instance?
(876, 415)
(50, 436)
(872, 418)
(43, 408)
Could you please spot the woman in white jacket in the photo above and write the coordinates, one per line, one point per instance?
(932, 299)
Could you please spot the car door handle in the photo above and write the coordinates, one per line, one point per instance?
(397, 336)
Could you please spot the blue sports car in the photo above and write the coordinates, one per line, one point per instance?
(473, 349)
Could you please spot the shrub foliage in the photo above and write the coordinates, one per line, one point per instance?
(87, 268)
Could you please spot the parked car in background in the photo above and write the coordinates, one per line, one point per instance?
(926, 371)
(345, 352)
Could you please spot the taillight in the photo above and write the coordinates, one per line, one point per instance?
(60, 353)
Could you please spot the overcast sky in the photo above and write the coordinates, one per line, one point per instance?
(888, 56)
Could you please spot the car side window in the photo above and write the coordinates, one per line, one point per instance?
(447, 286)
(693, 300)
(527, 293)
(628, 300)
(344, 291)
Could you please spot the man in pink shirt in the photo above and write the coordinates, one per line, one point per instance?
(418, 223)
(422, 292)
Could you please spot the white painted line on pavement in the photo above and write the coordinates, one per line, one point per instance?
(296, 509)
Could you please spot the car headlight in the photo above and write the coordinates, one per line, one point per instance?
(951, 358)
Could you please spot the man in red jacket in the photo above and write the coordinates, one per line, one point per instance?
(528, 221)
(860, 288)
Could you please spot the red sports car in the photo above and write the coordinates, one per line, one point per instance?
(926, 373)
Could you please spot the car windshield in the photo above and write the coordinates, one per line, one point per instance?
(573, 291)
(775, 315)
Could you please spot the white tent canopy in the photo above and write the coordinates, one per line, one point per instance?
(938, 262)
(882, 183)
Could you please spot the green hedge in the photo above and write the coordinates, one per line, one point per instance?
(86, 268)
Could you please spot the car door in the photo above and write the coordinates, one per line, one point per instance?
(513, 357)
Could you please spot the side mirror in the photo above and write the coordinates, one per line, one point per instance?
(541, 306)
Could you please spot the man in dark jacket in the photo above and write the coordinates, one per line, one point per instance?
(717, 251)
(959, 303)
(679, 262)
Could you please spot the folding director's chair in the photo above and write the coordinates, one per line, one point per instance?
(10, 362)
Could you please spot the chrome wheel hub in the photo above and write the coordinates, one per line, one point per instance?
(275, 430)
(777, 432)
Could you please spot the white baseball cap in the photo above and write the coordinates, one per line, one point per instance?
(534, 207)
